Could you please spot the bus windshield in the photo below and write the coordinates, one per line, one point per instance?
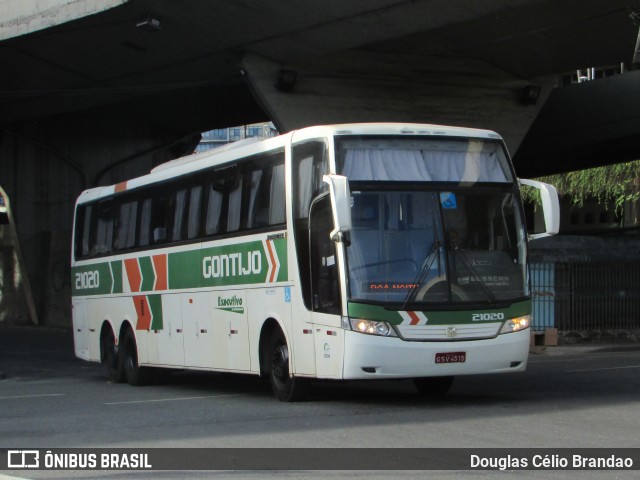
(465, 245)
(435, 220)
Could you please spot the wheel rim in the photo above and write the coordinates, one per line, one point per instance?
(130, 360)
(111, 352)
(280, 362)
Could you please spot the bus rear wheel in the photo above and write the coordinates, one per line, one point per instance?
(285, 387)
(133, 372)
(111, 357)
(433, 386)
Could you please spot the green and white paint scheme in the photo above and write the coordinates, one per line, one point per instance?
(214, 303)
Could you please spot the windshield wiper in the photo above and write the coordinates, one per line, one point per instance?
(424, 269)
(474, 274)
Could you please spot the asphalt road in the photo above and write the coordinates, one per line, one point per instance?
(573, 398)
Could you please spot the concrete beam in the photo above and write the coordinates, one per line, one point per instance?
(365, 86)
(584, 125)
(20, 17)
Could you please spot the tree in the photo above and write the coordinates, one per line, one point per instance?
(618, 183)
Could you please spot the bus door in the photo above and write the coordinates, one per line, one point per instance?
(325, 291)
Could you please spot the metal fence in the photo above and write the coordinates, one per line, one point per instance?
(586, 296)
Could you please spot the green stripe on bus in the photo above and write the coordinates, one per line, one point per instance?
(116, 269)
(280, 245)
(236, 264)
(91, 280)
(442, 317)
(155, 305)
(184, 270)
(148, 277)
(244, 263)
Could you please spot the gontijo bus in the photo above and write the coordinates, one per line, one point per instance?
(364, 251)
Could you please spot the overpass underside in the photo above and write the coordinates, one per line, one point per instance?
(100, 91)
(584, 125)
(46, 163)
(372, 86)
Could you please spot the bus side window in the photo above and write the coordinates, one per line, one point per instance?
(266, 197)
(234, 209)
(177, 211)
(309, 165)
(195, 207)
(159, 218)
(277, 196)
(83, 231)
(145, 223)
(224, 205)
(258, 208)
(102, 229)
(214, 211)
(126, 225)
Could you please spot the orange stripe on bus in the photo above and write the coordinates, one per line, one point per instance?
(144, 312)
(415, 320)
(273, 261)
(133, 273)
(160, 264)
(121, 187)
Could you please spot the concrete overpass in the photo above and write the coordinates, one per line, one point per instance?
(96, 91)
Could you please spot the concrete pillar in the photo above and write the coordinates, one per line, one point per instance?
(44, 165)
(16, 299)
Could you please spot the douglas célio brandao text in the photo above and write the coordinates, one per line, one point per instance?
(550, 462)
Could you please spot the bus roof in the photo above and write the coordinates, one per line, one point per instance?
(254, 146)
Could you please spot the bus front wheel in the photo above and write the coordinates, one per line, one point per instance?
(433, 386)
(285, 387)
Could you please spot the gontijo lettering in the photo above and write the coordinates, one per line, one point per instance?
(232, 265)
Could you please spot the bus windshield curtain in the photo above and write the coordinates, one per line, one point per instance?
(423, 165)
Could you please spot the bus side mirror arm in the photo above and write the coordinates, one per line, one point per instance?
(340, 206)
(343, 237)
(550, 207)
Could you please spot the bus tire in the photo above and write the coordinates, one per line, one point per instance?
(433, 386)
(133, 372)
(110, 356)
(285, 387)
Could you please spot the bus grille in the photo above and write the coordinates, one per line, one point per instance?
(449, 332)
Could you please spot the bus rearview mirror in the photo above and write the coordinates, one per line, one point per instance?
(340, 205)
(550, 207)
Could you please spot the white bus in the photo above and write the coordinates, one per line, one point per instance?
(363, 251)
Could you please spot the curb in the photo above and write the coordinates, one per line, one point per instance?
(581, 349)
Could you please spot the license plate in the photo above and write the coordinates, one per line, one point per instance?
(451, 357)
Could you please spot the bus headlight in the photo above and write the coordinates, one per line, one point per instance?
(371, 328)
(516, 324)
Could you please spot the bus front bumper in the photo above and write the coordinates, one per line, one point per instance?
(371, 357)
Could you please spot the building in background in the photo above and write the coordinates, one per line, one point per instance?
(224, 136)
